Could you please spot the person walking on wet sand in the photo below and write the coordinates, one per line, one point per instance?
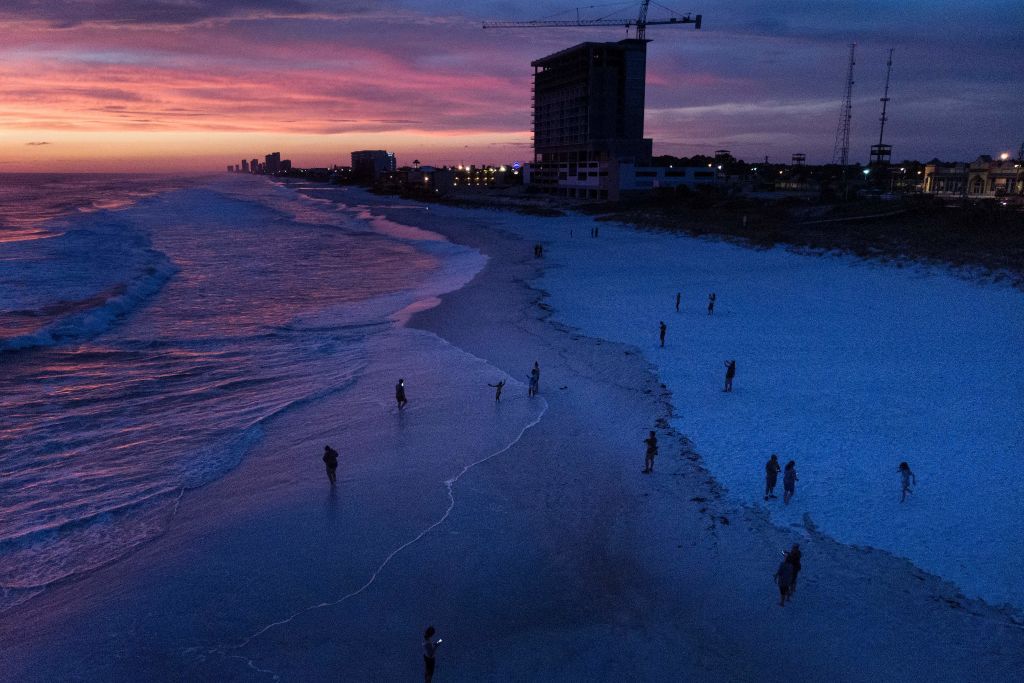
(497, 389)
(534, 388)
(730, 372)
(331, 463)
(906, 476)
(784, 580)
(789, 482)
(711, 303)
(661, 332)
(430, 645)
(771, 475)
(400, 394)
(679, 296)
(652, 450)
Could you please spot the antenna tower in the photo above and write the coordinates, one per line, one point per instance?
(882, 153)
(841, 149)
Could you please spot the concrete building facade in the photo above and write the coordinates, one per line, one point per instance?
(588, 115)
(984, 178)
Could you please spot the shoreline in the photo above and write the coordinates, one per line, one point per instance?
(555, 550)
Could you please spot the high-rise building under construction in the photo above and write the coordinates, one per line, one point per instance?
(588, 117)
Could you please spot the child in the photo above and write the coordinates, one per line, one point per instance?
(906, 476)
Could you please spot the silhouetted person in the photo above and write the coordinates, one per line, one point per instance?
(652, 450)
(906, 476)
(596, 232)
(400, 394)
(711, 303)
(430, 645)
(793, 557)
(497, 389)
(789, 482)
(771, 475)
(661, 332)
(784, 579)
(730, 372)
(679, 296)
(331, 463)
(534, 380)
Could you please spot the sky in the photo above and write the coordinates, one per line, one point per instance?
(192, 85)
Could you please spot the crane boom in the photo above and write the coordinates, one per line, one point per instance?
(641, 22)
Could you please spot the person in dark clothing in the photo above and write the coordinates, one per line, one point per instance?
(534, 388)
(784, 579)
(400, 394)
(331, 463)
(661, 332)
(679, 296)
(430, 645)
(789, 482)
(906, 476)
(730, 372)
(652, 450)
(497, 389)
(771, 475)
(711, 303)
(793, 557)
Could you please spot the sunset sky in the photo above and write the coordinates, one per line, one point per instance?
(171, 85)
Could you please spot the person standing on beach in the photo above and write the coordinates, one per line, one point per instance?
(331, 463)
(679, 296)
(789, 482)
(784, 580)
(771, 475)
(661, 332)
(711, 303)
(400, 393)
(497, 389)
(793, 557)
(652, 450)
(534, 380)
(730, 372)
(906, 476)
(430, 645)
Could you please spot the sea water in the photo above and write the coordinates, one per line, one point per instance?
(150, 329)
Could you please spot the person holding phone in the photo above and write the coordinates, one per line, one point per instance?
(430, 645)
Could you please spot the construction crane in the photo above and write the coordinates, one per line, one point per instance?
(641, 22)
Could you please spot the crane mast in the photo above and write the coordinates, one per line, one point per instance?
(841, 149)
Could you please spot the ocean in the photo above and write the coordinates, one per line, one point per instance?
(151, 326)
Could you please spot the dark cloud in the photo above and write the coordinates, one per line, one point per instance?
(72, 13)
(36, 144)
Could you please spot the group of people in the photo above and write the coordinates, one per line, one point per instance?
(771, 476)
(785, 575)
(679, 298)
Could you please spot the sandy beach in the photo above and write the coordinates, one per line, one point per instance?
(548, 558)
